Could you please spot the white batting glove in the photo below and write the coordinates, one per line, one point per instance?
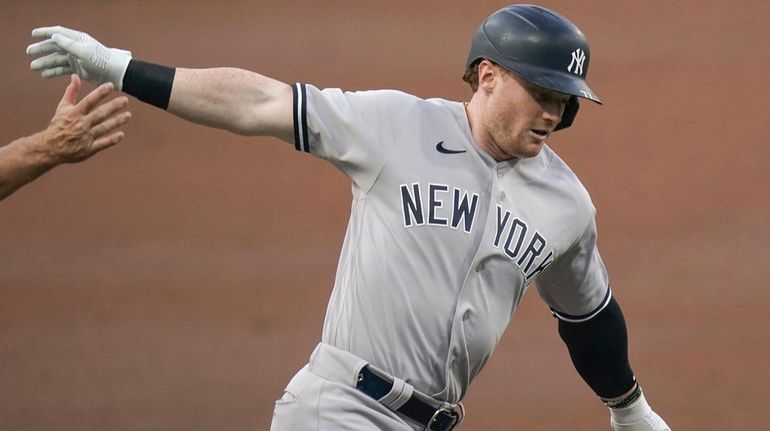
(66, 51)
(637, 417)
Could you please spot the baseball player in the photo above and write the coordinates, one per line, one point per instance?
(456, 209)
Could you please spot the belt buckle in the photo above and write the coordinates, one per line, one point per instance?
(444, 419)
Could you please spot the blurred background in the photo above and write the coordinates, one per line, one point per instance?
(178, 280)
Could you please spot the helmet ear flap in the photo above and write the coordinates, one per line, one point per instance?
(570, 110)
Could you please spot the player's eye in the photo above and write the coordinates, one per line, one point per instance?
(539, 95)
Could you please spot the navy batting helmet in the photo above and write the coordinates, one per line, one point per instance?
(539, 46)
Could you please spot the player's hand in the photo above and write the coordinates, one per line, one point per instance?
(65, 51)
(639, 416)
(78, 130)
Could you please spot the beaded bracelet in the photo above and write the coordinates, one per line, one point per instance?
(625, 402)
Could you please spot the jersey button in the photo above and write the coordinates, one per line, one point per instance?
(479, 267)
(467, 315)
(502, 196)
(500, 172)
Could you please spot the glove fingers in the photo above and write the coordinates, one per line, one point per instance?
(57, 71)
(50, 31)
(43, 47)
(79, 50)
(50, 61)
(43, 31)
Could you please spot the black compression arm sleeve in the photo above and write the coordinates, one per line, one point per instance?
(599, 350)
(149, 82)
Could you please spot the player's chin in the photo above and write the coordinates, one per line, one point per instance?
(531, 148)
(528, 154)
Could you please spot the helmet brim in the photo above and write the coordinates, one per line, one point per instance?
(561, 82)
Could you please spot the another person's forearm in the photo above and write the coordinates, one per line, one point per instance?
(22, 161)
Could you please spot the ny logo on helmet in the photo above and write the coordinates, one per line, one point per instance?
(578, 57)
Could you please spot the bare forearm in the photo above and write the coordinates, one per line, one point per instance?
(22, 161)
(237, 100)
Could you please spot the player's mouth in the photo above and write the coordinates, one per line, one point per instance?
(539, 133)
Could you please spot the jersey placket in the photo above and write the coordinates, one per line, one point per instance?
(468, 349)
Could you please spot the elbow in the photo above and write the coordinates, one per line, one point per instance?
(270, 115)
(244, 126)
(249, 124)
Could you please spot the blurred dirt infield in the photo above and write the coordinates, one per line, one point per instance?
(179, 280)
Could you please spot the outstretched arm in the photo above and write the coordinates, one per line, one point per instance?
(599, 350)
(77, 131)
(237, 100)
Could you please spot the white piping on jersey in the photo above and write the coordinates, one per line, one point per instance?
(584, 318)
(300, 118)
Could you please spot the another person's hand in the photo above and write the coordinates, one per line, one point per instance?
(79, 130)
(65, 51)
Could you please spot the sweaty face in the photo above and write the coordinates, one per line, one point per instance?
(520, 116)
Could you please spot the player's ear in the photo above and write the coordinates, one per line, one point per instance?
(487, 73)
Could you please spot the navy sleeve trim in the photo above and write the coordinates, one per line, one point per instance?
(582, 318)
(300, 117)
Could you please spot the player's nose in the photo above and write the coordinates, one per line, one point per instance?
(552, 112)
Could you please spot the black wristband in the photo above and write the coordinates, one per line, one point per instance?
(148, 82)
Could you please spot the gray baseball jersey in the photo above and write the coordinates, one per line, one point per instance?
(443, 240)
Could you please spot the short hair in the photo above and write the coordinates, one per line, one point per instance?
(471, 75)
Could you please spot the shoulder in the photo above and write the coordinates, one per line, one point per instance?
(376, 97)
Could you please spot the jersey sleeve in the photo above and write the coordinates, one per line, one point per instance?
(355, 131)
(576, 285)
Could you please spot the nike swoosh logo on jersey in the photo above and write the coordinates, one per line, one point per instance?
(441, 149)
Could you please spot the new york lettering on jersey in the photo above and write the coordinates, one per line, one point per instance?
(462, 209)
(434, 205)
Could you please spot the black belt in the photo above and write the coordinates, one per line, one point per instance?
(435, 419)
